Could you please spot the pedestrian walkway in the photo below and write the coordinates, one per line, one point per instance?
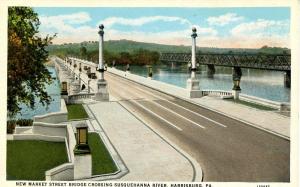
(267, 120)
(147, 156)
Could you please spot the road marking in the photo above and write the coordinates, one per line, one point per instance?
(161, 98)
(177, 114)
(153, 113)
(161, 106)
(211, 120)
(156, 115)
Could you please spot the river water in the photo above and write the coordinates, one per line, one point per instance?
(260, 83)
(53, 90)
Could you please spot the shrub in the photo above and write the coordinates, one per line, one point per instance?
(11, 124)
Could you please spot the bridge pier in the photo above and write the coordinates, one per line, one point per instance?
(211, 70)
(287, 79)
(193, 83)
(236, 77)
(101, 92)
(150, 72)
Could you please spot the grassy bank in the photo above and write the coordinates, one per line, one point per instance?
(101, 159)
(29, 159)
(76, 111)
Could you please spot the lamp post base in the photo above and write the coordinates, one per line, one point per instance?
(236, 94)
(82, 166)
(102, 92)
(193, 88)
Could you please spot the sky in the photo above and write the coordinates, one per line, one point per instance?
(216, 27)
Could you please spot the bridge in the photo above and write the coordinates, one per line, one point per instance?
(253, 61)
(213, 136)
(200, 131)
(237, 61)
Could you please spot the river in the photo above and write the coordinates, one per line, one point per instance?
(260, 83)
(53, 90)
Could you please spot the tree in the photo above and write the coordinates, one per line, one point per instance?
(83, 52)
(27, 75)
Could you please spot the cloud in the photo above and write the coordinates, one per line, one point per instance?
(73, 28)
(63, 23)
(180, 37)
(261, 27)
(76, 18)
(111, 21)
(224, 19)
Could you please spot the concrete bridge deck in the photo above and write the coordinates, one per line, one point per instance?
(226, 148)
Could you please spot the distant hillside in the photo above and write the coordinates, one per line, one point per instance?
(117, 46)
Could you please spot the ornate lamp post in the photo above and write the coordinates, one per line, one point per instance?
(100, 64)
(101, 93)
(193, 83)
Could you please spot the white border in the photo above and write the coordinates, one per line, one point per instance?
(295, 46)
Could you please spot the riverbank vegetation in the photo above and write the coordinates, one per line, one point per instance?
(11, 124)
(141, 53)
(133, 57)
(26, 72)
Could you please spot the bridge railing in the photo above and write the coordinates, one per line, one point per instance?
(79, 97)
(221, 93)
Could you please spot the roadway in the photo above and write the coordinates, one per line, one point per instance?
(226, 149)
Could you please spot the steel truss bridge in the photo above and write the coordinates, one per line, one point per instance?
(254, 61)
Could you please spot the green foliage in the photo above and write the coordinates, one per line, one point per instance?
(136, 56)
(76, 111)
(140, 53)
(11, 124)
(27, 74)
(102, 163)
(274, 50)
(30, 159)
(83, 52)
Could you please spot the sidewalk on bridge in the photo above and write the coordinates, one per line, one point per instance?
(266, 120)
(147, 155)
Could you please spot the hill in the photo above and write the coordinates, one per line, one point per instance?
(118, 46)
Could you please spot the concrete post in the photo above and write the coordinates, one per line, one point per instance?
(89, 83)
(193, 83)
(236, 77)
(101, 92)
(127, 68)
(79, 78)
(74, 87)
(82, 166)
